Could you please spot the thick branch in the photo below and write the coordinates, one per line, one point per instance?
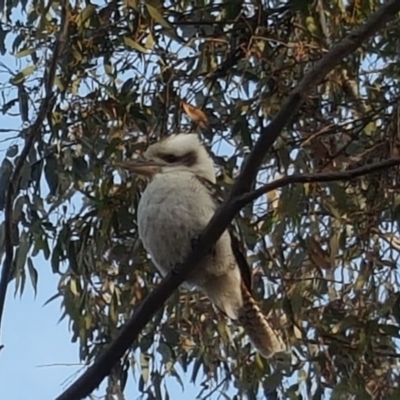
(86, 383)
(32, 134)
(349, 175)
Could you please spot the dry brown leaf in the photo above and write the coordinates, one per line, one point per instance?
(195, 114)
(273, 199)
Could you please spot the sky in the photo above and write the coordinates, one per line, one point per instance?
(37, 357)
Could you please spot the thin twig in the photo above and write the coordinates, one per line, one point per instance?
(61, 365)
(31, 136)
(94, 375)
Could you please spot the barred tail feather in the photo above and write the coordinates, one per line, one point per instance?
(260, 332)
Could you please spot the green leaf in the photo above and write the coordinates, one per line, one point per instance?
(18, 206)
(33, 275)
(80, 167)
(231, 9)
(133, 4)
(346, 323)
(395, 394)
(73, 248)
(3, 35)
(166, 352)
(22, 75)
(17, 41)
(155, 14)
(52, 298)
(51, 175)
(144, 367)
(86, 13)
(24, 53)
(55, 258)
(2, 235)
(241, 128)
(149, 43)
(20, 282)
(59, 84)
(363, 277)
(127, 87)
(12, 151)
(73, 287)
(395, 308)
(312, 26)
(5, 175)
(390, 330)
(134, 45)
(172, 337)
(196, 367)
(22, 251)
(108, 68)
(45, 248)
(25, 176)
(23, 99)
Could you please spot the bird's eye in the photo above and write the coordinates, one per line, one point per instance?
(170, 158)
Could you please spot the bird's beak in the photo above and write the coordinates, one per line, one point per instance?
(141, 166)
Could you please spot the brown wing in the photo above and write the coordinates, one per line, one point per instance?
(234, 232)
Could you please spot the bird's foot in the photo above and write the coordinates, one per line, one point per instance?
(195, 240)
(176, 269)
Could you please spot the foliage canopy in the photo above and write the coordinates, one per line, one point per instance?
(324, 255)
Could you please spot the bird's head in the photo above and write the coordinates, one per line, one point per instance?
(179, 152)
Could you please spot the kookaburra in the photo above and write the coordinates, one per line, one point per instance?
(174, 209)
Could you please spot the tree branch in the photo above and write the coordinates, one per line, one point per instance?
(91, 378)
(348, 175)
(31, 136)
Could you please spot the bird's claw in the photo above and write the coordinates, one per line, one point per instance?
(176, 269)
(196, 239)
